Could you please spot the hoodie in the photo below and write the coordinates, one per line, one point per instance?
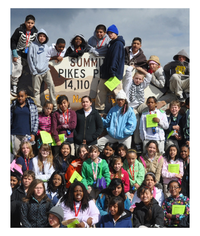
(114, 60)
(98, 46)
(37, 55)
(71, 51)
(177, 67)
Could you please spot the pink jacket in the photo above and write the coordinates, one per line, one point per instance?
(167, 176)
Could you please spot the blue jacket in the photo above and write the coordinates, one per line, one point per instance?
(114, 60)
(120, 126)
(171, 122)
(124, 221)
(100, 203)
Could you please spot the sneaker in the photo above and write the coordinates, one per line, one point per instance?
(181, 98)
(14, 91)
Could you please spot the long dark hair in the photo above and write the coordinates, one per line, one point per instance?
(68, 198)
(108, 191)
(62, 188)
(167, 156)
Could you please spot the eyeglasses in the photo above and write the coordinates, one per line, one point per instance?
(171, 188)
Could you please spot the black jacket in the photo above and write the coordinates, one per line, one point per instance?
(88, 128)
(141, 210)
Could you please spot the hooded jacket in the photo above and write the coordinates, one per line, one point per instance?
(177, 67)
(37, 55)
(141, 210)
(98, 46)
(18, 40)
(113, 64)
(124, 221)
(71, 52)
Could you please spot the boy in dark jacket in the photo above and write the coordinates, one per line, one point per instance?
(20, 42)
(113, 66)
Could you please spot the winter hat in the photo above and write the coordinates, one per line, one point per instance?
(57, 211)
(113, 29)
(155, 59)
(121, 95)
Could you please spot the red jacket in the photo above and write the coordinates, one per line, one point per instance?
(124, 178)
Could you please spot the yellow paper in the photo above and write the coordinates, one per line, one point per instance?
(112, 83)
(178, 209)
(61, 138)
(73, 224)
(75, 176)
(149, 121)
(173, 168)
(46, 137)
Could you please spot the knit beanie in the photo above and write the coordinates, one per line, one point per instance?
(121, 95)
(113, 29)
(154, 58)
(57, 211)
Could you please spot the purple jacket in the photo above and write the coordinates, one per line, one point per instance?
(60, 123)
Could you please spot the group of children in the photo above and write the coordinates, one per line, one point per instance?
(129, 177)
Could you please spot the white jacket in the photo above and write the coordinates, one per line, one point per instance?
(158, 78)
(147, 133)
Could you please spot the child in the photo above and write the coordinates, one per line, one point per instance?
(108, 152)
(147, 213)
(134, 89)
(56, 187)
(121, 151)
(17, 195)
(20, 42)
(150, 181)
(91, 170)
(176, 198)
(177, 75)
(113, 65)
(43, 163)
(171, 157)
(76, 165)
(57, 51)
(185, 184)
(152, 159)
(118, 217)
(116, 171)
(55, 217)
(175, 124)
(77, 204)
(186, 123)
(135, 171)
(134, 54)
(15, 179)
(99, 41)
(35, 206)
(120, 123)
(24, 157)
(63, 122)
(89, 124)
(24, 119)
(63, 159)
(39, 68)
(153, 133)
(157, 72)
(78, 46)
(115, 188)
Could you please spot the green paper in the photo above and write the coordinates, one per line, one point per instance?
(173, 168)
(61, 138)
(46, 137)
(112, 83)
(149, 121)
(170, 134)
(178, 209)
(75, 176)
(73, 224)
